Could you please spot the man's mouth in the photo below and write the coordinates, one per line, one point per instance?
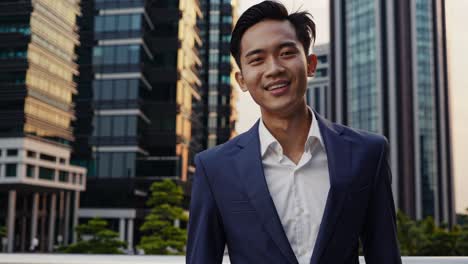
(276, 86)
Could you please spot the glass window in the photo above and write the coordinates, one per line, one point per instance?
(106, 91)
(118, 162)
(96, 90)
(130, 164)
(63, 176)
(104, 163)
(132, 126)
(122, 57)
(10, 170)
(31, 154)
(97, 55)
(109, 55)
(136, 22)
(46, 173)
(109, 23)
(133, 89)
(99, 24)
(12, 152)
(120, 89)
(134, 54)
(29, 171)
(104, 123)
(119, 126)
(123, 23)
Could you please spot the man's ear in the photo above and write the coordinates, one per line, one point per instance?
(311, 65)
(240, 80)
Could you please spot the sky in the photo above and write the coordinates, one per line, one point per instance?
(457, 43)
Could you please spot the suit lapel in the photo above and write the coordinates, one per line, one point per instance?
(251, 172)
(338, 150)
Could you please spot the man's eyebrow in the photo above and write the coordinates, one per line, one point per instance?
(287, 44)
(253, 52)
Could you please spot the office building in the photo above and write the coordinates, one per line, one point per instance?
(389, 76)
(217, 72)
(39, 188)
(318, 86)
(138, 81)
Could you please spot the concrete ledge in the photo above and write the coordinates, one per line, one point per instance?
(136, 259)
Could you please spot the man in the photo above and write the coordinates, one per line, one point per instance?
(295, 188)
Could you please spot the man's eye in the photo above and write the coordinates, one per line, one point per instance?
(255, 60)
(287, 53)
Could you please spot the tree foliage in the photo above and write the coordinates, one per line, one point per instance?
(2, 231)
(424, 238)
(160, 234)
(95, 238)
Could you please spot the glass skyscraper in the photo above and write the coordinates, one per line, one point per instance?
(217, 71)
(318, 87)
(389, 76)
(39, 188)
(138, 82)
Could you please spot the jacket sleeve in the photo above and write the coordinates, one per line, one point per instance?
(379, 236)
(206, 240)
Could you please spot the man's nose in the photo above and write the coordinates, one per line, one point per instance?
(274, 67)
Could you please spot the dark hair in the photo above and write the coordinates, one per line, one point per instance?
(301, 21)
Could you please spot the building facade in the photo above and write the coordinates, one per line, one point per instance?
(39, 188)
(138, 82)
(318, 86)
(389, 76)
(217, 72)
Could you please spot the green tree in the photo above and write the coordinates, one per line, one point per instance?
(95, 238)
(425, 238)
(410, 235)
(161, 236)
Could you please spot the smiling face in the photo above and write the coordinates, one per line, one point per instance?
(274, 67)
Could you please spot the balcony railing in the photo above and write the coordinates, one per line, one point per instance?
(137, 259)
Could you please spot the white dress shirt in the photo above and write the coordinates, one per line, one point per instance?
(299, 191)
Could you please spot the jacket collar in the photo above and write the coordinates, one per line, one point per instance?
(251, 174)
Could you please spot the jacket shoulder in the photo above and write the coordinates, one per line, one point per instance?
(227, 148)
(363, 137)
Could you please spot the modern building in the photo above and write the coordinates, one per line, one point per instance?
(138, 82)
(389, 76)
(39, 188)
(318, 86)
(219, 95)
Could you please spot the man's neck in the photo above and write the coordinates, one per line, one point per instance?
(290, 130)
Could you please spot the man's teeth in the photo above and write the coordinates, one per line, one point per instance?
(277, 86)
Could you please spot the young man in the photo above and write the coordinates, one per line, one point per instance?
(295, 188)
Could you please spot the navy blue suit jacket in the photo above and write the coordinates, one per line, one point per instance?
(231, 204)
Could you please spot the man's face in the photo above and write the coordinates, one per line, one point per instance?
(274, 67)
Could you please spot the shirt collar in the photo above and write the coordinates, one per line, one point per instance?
(267, 139)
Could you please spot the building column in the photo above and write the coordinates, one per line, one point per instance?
(130, 234)
(35, 208)
(76, 207)
(2, 171)
(11, 220)
(53, 201)
(66, 233)
(61, 214)
(122, 229)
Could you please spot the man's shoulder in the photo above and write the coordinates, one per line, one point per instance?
(227, 148)
(360, 136)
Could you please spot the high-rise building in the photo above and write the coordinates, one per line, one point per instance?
(138, 81)
(389, 75)
(318, 86)
(39, 189)
(219, 96)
